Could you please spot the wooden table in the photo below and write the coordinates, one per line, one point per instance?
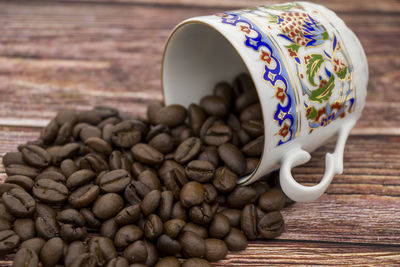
(76, 54)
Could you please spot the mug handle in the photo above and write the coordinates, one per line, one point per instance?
(298, 156)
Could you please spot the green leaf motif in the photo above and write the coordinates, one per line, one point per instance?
(294, 47)
(284, 7)
(323, 93)
(342, 74)
(313, 66)
(313, 113)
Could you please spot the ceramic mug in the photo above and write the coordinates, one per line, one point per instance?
(308, 67)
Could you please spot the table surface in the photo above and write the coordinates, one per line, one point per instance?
(77, 54)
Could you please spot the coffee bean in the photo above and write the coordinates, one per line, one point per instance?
(218, 135)
(64, 134)
(241, 196)
(196, 118)
(4, 224)
(152, 253)
(52, 252)
(19, 169)
(35, 244)
(232, 157)
(50, 191)
(84, 196)
(166, 203)
(24, 181)
(248, 221)
(75, 249)
(163, 142)
(200, 170)
(9, 240)
(171, 116)
(192, 245)
(173, 227)
(253, 128)
(245, 99)
(201, 214)
(24, 228)
(153, 227)
(66, 115)
(147, 154)
(46, 227)
(88, 132)
(109, 121)
(187, 150)
(168, 262)
(84, 260)
(70, 232)
(5, 214)
(43, 210)
(26, 257)
(93, 162)
(173, 181)
(108, 205)
(236, 240)
(191, 194)
(215, 249)
(109, 228)
(19, 203)
(210, 193)
(271, 225)
(136, 252)
(51, 175)
(225, 180)
(254, 148)
(219, 226)
(115, 181)
(131, 196)
(168, 166)
(225, 91)
(128, 215)
(5, 187)
(271, 200)
(127, 235)
(214, 106)
(102, 249)
(124, 134)
(36, 156)
(13, 158)
(90, 218)
(150, 202)
(49, 133)
(196, 262)
(168, 246)
(118, 262)
(233, 216)
(178, 211)
(98, 145)
(79, 178)
(251, 165)
(152, 109)
(210, 154)
(156, 130)
(252, 112)
(150, 179)
(71, 216)
(141, 189)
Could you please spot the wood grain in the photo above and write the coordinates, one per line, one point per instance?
(77, 54)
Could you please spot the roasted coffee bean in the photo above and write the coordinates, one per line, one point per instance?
(79, 178)
(110, 121)
(5, 214)
(84, 260)
(25, 228)
(191, 194)
(105, 112)
(253, 128)
(197, 229)
(83, 196)
(241, 196)
(152, 253)
(210, 193)
(252, 112)
(128, 215)
(109, 228)
(9, 240)
(168, 166)
(50, 191)
(185, 134)
(59, 153)
(46, 227)
(89, 131)
(118, 262)
(200, 170)
(196, 118)
(43, 210)
(210, 154)
(102, 249)
(93, 162)
(153, 227)
(225, 180)
(196, 262)
(125, 135)
(232, 157)
(254, 148)
(201, 214)
(170, 261)
(5, 187)
(271, 225)
(52, 252)
(192, 245)
(236, 240)
(90, 218)
(168, 246)
(115, 181)
(4, 224)
(70, 232)
(66, 115)
(24, 181)
(178, 211)
(187, 150)
(108, 205)
(136, 252)
(208, 123)
(19, 169)
(171, 116)
(156, 130)
(131, 196)
(26, 257)
(64, 134)
(251, 165)
(141, 189)
(214, 106)
(248, 221)
(150, 202)
(71, 216)
(98, 145)
(36, 156)
(127, 235)
(49, 133)
(147, 154)
(233, 216)
(245, 99)
(273, 199)
(225, 91)
(173, 227)
(35, 244)
(13, 158)
(75, 249)
(166, 203)
(215, 249)
(118, 161)
(163, 142)
(218, 135)
(150, 179)
(219, 226)
(19, 203)
(152, 109)
(51, 175)
(174, 180)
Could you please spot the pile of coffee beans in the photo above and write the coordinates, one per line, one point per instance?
(105, 188)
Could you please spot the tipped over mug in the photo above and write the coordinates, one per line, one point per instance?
(309, 69)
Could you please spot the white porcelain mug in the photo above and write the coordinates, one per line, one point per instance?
(308, 67)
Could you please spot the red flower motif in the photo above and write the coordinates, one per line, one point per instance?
(292, 53)
(306, 58)
(280, 94)
(284, 130)
(245, 29)
(265, 56)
